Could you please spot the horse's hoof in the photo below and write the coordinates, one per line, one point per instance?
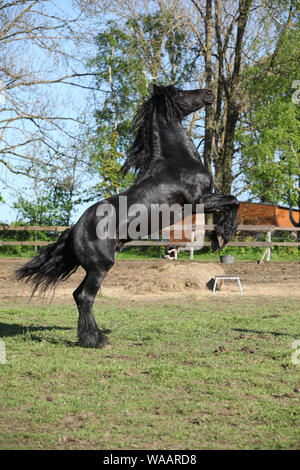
(221, 242)
(93, 340)
(103, 342)
(217, 242)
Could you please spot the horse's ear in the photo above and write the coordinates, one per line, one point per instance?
(157, 90)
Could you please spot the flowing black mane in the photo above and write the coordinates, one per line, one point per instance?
(143, 151)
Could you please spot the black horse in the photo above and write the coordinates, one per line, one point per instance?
(169, 170)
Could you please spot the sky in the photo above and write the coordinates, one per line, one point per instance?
(68, 101)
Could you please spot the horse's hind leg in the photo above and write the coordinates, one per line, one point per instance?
(89, 336)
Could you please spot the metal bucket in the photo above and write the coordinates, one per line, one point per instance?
(227, 259)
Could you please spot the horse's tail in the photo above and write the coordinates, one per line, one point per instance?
(227, 207)
(55, 263)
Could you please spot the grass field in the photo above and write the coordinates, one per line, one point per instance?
(241, 253)
(209, 374)
(278, 253)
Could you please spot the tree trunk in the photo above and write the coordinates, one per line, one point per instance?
(223, 167)
(207, 153)
(228, 150)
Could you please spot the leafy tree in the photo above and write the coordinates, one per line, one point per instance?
(51, 207)
(222, 39)
(54, 195)
(270, 141)
(146, 49)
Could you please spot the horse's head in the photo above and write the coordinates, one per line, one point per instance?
(185, 101)
(169, 105)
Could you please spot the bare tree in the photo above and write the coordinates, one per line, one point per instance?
(41, 60)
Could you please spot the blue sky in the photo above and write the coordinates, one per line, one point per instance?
(69, 101)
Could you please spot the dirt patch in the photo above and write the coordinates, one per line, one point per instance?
(138, 279)
(162, 277)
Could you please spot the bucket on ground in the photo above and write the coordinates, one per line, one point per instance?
(227, 259)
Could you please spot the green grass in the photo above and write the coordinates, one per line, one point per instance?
(213, 374)
(205, 254)
(17, 251)
(150, 253)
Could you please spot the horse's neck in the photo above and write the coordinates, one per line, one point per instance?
(173, 143)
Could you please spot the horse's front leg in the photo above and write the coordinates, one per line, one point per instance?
(89, 335)
(227, 207)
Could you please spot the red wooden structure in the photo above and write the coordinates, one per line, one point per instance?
(251, 213)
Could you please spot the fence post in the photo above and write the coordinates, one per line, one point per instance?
(269, 248)
(192, 249)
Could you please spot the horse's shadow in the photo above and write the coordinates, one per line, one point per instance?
(273, 333)
(14, 329)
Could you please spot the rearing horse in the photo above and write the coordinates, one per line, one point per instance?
(169, 170)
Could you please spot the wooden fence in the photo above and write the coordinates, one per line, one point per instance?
(269, 229)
